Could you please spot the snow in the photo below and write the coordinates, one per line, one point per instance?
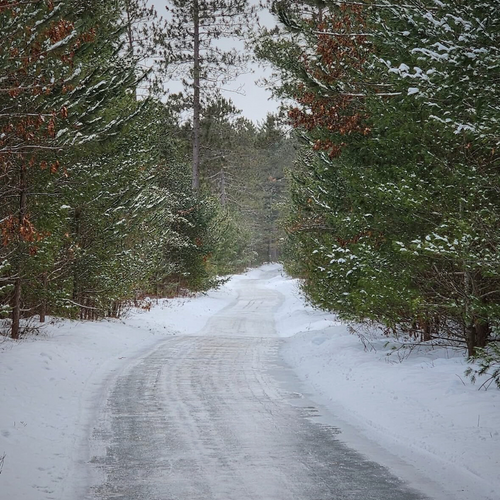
(48, 386)
(416, 407)
(411, 411)
(62, 42)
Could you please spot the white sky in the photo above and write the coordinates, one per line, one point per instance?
(254, 101)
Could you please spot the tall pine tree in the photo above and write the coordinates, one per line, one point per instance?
(194, 28)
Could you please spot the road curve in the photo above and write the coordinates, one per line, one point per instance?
(219, 416)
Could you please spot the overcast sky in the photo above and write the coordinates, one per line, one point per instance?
(254, 101)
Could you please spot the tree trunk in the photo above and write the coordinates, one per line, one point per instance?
(269, 256)
(196, 98)
(130, 37)
(426, 331)
(43, 305)
(16, 303)
(470, 329)
(129, 28)
(482, 333)
(16, 307)
(76, 281)
(223, 194)
(470, 337)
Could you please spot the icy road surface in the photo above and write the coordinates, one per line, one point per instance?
(219, 416)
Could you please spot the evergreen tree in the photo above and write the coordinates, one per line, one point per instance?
(65, 80)
(446, 65)
(36, 70)
(388, 215)
(194, 27)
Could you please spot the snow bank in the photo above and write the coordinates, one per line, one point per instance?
(417, 406)
(295, 315)
(46, 388)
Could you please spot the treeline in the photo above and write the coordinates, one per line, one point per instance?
(96, 204)
(395, 200)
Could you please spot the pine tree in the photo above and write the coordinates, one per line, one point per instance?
(445, 64)
(194, 27)
(35, 70)
(389, 216)
(61, 72)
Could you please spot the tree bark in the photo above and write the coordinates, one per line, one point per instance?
(426, 331)
(223, 194)
(130, 38)
(196, 97)
(482, 333)
(16, 301)
(129, 28)
(470, 337)
(77, 295)
(16, 307)
(43, 305)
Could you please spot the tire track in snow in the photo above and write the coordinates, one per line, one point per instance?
(208, 418)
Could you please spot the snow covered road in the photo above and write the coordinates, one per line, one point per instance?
(218, 415)
(243, 392)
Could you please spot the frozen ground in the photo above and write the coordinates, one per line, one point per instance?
(417, 417)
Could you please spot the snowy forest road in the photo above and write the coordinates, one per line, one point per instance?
(219, 416)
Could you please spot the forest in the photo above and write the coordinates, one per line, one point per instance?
(98, 207)
(376, 184)
(395, 203)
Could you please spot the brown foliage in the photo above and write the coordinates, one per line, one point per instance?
(59, 30)
(14, 229)
(332, 101)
